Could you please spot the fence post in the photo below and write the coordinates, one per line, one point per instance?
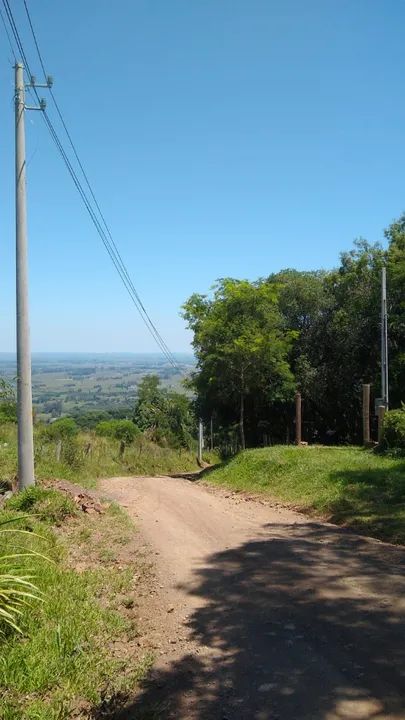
(381, 413)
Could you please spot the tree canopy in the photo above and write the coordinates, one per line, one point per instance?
(164, 415)
(242, 350)
(319, 332)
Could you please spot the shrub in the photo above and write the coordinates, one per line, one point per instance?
(124, 430)
(47, 504)
(62, 429)
(393, 437)
(8, 406)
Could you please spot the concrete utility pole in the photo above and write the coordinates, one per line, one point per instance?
(24, 391)
(384, 339)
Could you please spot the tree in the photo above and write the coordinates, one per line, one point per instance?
(395, 234)
(167, 416)
(242, 352)
(337, 316)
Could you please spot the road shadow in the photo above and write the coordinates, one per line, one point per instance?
(372, 501)
(197, 475)
(306, 622)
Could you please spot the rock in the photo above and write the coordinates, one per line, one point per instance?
(8, 494)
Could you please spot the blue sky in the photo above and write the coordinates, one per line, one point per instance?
(222, 137)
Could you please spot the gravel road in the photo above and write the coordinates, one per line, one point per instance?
(259, 613)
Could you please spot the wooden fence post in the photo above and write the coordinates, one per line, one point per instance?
(381, 413)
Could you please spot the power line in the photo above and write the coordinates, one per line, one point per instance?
(107, 240)
(8, 35)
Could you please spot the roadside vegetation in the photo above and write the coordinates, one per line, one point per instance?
(318, 332)
(87, 457)
(351, 486)
(159, 439)
(77, 642)
(71, 573)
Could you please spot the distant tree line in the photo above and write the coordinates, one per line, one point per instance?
(256, 343)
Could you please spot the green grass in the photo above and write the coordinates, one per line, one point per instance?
(65, 658)
(347, 485)
(141, 458)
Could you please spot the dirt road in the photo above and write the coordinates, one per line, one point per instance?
(263, 614)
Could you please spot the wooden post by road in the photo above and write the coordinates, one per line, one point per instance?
(366, 414)
(381, 413)
(298, 419)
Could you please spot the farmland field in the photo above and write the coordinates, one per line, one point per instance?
(73, 383)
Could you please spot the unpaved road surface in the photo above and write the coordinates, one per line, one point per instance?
(259, 613)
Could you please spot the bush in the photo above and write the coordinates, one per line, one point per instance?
(62, 429)
(124, 430)
(8, 405)
(47, 504)
(393, 437)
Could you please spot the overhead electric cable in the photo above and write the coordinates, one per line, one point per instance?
(108, 242)
(8, 35)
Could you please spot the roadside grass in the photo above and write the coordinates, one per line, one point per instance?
(78, 645)
(88, 457)
(347, 485)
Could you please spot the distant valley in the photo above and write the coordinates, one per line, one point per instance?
(75, 383)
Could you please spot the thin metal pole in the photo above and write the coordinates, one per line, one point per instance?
(24, 391)
(384, 338)
(298, 419)
(366, 414)
(200, 441)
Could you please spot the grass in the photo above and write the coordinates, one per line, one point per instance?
(71, 653)
(347, 485)
(87, 458)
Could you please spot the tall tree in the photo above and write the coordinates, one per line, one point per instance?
(242, 352)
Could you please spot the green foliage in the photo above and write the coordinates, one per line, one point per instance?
(67, 656)
(8, 405)
(167, 417)
(90, 419)
(347, 485)
(394, 430)
(318, 331)
(97, 457)
(242, 347)
(62, 429)
(17, 591)
(48, 505)
(124, 430)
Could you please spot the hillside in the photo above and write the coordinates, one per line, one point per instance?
(88, 457)
(346, 485)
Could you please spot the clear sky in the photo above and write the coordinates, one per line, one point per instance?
(222, 137)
